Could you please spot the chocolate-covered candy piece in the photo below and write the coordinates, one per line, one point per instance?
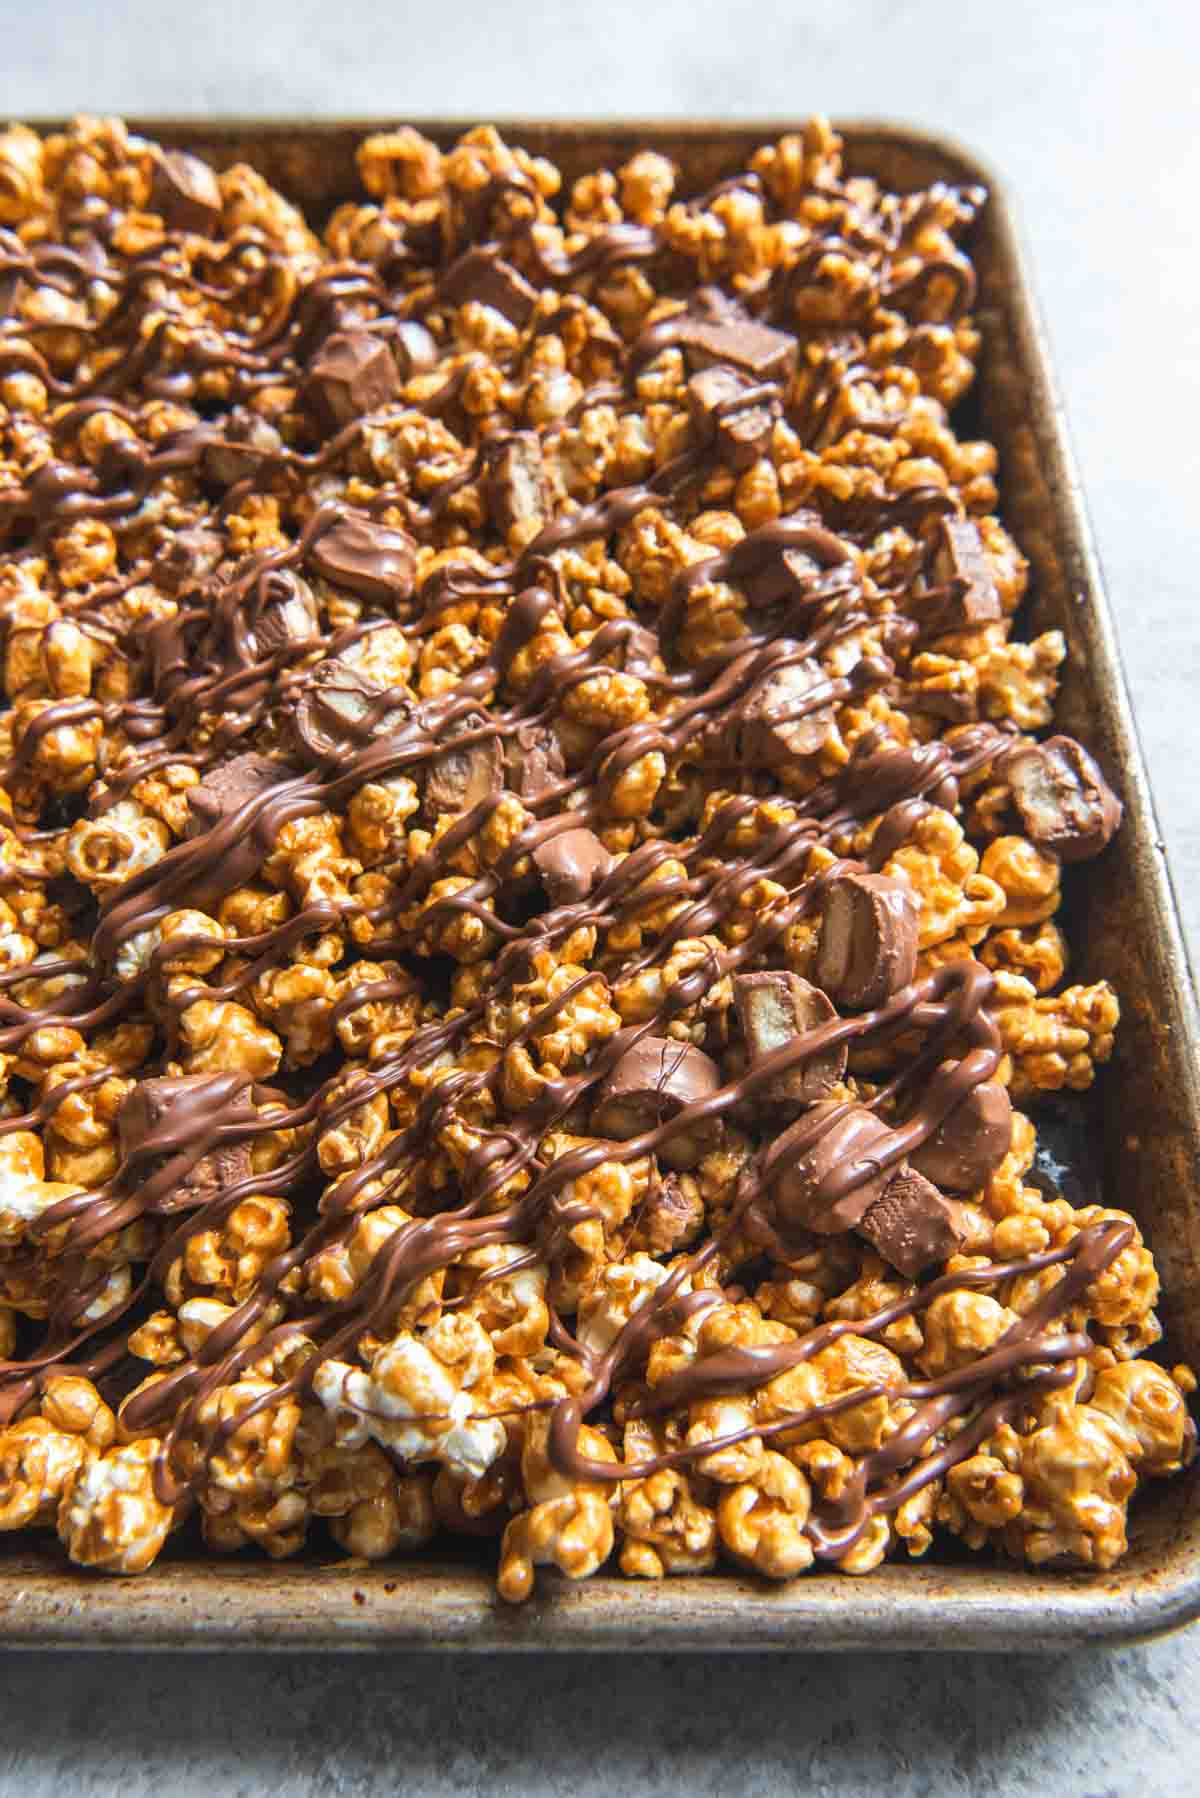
(717, 329)
(804, 1165)
(176, 1110)
(971, 1141)
(188, 556)
(184, 192)
(741, 426)
(373, 560)
(169, 1111)
(414, 346)
(868, 944)
(287, 612)
(227, 788)
(964, 592)
(653, 1082)
(341, 707)
(883, 774)
(220, 1168)
(778, 721)
(463, 777)
(775, 1008)
(515, 485)
(571, 864)
(792, 564)
(533, 760)
(912, 1225)
(353, 372)
(1066, 805)
(251, 443)
(483, 276)
(148, 1102)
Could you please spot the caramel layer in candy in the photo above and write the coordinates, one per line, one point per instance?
(373, 560)
(652, 1083)
(227, 788)
(461, 778)
(185, 193)
(804, 1164)
(868, 944)
(1066, 805)
(912, 1225)
(352, 373)
(571, 864)
(970, 1143)
(776, 1009)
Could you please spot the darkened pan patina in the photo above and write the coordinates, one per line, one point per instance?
(1144, 1119)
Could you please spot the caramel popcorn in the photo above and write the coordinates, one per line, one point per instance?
(1055, 1040)
(41, 1455)
(762, 1522)
(532, 886)
(1077, 1482)
(417, 1397)
(568, 1523)
(666, 1525)
(109, 1517)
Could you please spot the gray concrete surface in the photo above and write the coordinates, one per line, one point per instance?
(1087, 108)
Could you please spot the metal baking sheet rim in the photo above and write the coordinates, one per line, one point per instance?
(439, 1606)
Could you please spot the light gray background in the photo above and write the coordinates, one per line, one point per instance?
(1088, 109)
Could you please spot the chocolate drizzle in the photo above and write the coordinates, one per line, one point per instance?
(244, 665)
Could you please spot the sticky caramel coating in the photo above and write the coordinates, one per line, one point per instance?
(340, 575)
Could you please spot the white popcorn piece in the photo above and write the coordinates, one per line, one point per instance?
(110, 1517)
(133, 955)
(111, 1297)
(24, 1199)
(621, 1289)
(419, 1403)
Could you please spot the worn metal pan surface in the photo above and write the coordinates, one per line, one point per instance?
(1144, 1117)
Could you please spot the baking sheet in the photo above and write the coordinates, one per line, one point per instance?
(1145, 1111)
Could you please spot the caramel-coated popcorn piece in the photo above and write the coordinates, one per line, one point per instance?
(109, 1516)
(762, 1522)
